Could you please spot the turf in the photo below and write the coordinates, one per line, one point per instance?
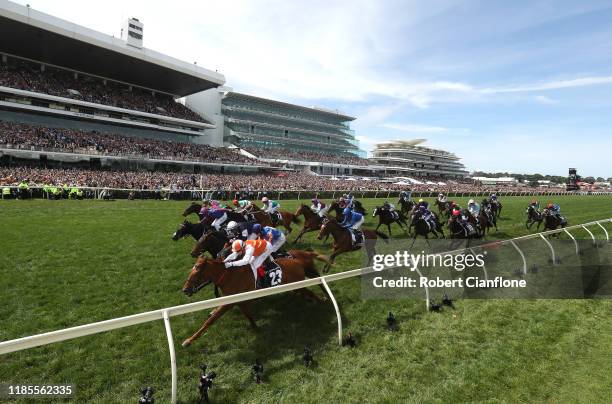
(65, 263)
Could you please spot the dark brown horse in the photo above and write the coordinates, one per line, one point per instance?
(212, 242)
(386, 217)
(551, 221)
(406, 206)
(533, 216)
(240, 280)
(312, 221)
(287, 218)
(343, 240)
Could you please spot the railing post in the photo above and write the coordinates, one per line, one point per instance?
(605, 231)
(575, 242)
(426, 289)
(333, 299)
(552, 250)
(591, 234)
(172, 354)
(522, 256)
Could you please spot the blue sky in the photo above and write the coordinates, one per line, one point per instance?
(519, 86)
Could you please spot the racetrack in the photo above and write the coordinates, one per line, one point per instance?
(66, 263)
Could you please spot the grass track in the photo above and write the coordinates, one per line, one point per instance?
(65, 263)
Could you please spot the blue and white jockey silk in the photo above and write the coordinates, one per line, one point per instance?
(352, 220)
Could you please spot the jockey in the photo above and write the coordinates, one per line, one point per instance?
(473, 208)
(555, 209)
(255, 253)
(462, 220)
(319, 207)
(493, 197)
(535, 204)
(270, 206)
(406, 195)
(389, 206)
(241, 204)
(274, 237)
(348, 199)
(426, 215)
(423, 203)
(441, 198)
(219, 216)
(352, 220)
(243, 231)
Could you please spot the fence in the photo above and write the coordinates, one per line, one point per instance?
(165, 314)
(198, 193)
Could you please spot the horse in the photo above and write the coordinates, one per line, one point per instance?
(443, 207)
(357, 207)
(551, 221)
(196, 208)
(194, 230)
(287, 218)
(422, 228)
(385, 216)
(343, 240)
(457, 231)
(312, 221)
(488, 212)
(533, 216)
(240, 280)
(406, 206)
(496, 208)
(212, 242)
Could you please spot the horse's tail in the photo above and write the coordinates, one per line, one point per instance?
(382, 235)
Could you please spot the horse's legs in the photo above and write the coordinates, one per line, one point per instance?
(244, 308)
(300, 235)
(219, 311)
(309, 294)
(379, 223)
(389, 228)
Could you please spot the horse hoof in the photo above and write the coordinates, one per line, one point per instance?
(186, 343)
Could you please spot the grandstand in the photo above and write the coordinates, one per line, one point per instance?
(97, 101)
(408, 158)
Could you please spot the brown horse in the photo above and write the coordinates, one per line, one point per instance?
(343, 241)
(240, 280)
(287, 218)
(552, 222)
(312, 221)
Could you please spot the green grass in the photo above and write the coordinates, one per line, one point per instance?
(65, 263)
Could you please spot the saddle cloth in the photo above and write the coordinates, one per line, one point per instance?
(356, 238)
(269, 274)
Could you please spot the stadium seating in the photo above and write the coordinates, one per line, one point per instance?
(24, 75)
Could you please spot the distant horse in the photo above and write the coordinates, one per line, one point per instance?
(443, 208)
(457, 231)
(496, 208)
(406, 206)
(386, 217)
(312, 221)
(343, 240)
(240, 280)
(487, 210)
(422, 228)
(533, 216)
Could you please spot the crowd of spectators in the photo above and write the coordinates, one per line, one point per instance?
(222, 182)
(22, 136)
(282, 154)
(24, 75)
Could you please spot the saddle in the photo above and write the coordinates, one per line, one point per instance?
(356, 238)
(282, 254)
(276, 217)
(269, 274)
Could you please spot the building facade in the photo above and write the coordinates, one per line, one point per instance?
(407, 157)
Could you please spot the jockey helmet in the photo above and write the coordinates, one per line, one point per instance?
(232, 225)
(471, 202)
(440, 194)
(534, 201)
(235, 202)
(346, 211)
(453, 204)
(550, 205)
(456, 212)
(256, 228)
(237, 245)
(421, 200)
(314, 200)
(264, 199)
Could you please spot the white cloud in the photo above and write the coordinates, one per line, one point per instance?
(542, 99)
(409, 128)
(551, 85)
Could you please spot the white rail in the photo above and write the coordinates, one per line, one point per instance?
(165, 314)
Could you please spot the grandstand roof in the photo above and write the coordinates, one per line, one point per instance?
(30, 34)
(328, 112)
